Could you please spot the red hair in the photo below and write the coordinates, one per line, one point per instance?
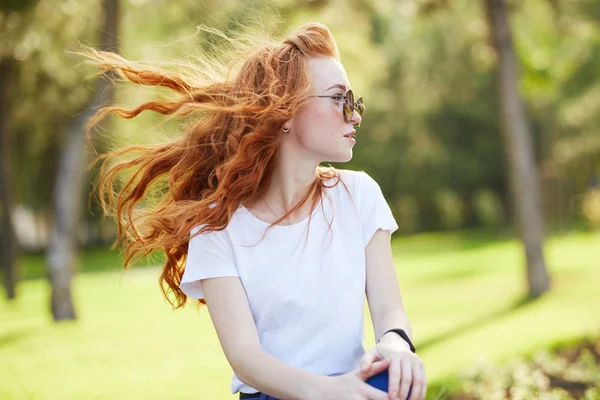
(224, 159)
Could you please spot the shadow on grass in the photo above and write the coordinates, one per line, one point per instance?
(9, 338)
(94, 259)
(440, 242)
(469, 270)
(478, 322)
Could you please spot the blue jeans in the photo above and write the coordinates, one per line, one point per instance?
(261, 396)
(380, 381)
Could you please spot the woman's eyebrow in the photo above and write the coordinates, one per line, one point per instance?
(338, 85)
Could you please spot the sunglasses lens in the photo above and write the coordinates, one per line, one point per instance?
(348, 106)
(350, 98)
(360, 106)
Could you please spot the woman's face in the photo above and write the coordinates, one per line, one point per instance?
(318, 130)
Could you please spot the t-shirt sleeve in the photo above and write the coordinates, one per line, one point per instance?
(374, 211)
(210, 255)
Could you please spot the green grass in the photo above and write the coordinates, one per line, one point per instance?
(95, 259)
(463, 292)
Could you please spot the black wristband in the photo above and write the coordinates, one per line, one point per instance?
(403, 335)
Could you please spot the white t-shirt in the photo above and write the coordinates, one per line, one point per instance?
(307, 301)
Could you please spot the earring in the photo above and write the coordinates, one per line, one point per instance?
(286, 130)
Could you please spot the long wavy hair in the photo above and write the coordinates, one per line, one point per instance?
(224, 158)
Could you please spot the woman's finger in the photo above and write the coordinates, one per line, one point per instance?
(405, 378)
(424, 385)
(372, 393)
(418, 377)
(367, 359)
(394, 378)
(376, 367)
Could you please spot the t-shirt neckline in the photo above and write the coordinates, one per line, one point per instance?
(259, 223)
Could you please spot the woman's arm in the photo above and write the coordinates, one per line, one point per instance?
(383, 292)
(230, 313)
(406, 371)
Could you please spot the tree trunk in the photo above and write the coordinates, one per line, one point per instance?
(69, 191)
(8, 242)
(522, 170)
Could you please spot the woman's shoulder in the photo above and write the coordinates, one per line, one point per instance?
(352, 174)
(357, 181)
(357, 184)
(199, 233)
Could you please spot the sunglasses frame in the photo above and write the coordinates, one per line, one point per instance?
(349, 105)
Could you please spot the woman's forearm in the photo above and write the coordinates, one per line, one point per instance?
(272, 376)
(395, 318)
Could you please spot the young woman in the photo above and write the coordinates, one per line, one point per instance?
(280, 249)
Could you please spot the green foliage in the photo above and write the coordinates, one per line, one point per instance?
(569, 374)
(488, 208)
(405, 209)
(590, 207)
(451, 209)
(425, 69)
(9, 6)
(48, 88)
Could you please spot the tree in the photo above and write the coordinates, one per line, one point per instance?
(8, 242)
(70, 184)
(8, 245)
(522, 170)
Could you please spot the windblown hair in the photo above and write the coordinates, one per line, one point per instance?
(224, 159)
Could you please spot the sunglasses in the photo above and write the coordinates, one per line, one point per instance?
(349, 105)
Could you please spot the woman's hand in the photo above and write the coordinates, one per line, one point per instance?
(352, 386)
(406, 368)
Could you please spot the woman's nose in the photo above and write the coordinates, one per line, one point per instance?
(356, 118)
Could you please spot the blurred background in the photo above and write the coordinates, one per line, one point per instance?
(482, 128)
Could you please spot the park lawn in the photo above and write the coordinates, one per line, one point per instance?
(93, 259)
(463, 293)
